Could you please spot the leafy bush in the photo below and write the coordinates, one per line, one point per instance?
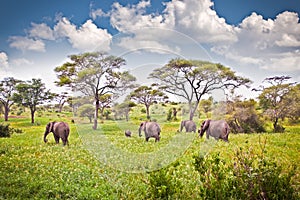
(5, 131)
(163, 183)
(251, 176)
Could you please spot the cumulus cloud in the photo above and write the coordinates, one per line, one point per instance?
(98, 13)
(86, 38)
(265, 43)
(191, 17)
(3, 60)
(41, 31)
(25, 43)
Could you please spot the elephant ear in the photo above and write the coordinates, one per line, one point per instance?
(51, 124)
(205, 124)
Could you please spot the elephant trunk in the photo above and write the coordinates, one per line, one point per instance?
(140, 131)
(45, 135)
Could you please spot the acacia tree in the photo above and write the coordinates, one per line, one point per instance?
(7, 90)
(94, 74)
(105, 102)
(31, 94)
(147, 96)
(275, 99)
(61, 99)
(192, 79)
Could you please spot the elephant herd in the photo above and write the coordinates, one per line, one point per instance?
(217, 129)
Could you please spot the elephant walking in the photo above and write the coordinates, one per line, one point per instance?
(189, 126)
(59, 130)
(218, 129)
(151, 129)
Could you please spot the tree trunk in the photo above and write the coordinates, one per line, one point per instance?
(96, 115)
(32, 111)
(147, 111)
(61, 105)
(6, 111)
(193, 109)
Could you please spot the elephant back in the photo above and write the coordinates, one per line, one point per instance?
(218, 128)
(60, 127)
(152, 129)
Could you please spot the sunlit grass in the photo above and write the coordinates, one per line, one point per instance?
(104, 164)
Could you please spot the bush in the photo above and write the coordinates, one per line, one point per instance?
(164, 184)
(5, 131)
(250, 176)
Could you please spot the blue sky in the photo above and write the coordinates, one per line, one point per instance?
(256, 38)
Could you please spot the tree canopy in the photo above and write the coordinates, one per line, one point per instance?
(192, 79)
(31, 94)
(7, 90)
(94, 74)
(278, 99)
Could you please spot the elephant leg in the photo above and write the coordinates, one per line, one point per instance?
(65, 141)
(207, 136)
(56, 138)
(147, 139)
(157, 139)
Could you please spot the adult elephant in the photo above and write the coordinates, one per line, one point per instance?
(59, 130)
(189, 126)
(218, 129)
(151, 129)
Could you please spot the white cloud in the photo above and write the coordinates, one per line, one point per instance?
(3, 60)
(98, 13)
(21, 62)
(41, 31)
(24, 44)
(86, 38)
(288, 41)
(265, 43)
(191, 17)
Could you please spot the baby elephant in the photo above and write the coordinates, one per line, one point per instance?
(151, 129)
(128, 133)
(189, 126)
(59, 130)
(218, 129)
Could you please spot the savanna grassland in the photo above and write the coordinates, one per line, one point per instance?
(256, 165)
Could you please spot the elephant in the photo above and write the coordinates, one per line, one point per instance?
(151, 129)
(59, 130)
(128, 133)
(219, 129)
(189, 126)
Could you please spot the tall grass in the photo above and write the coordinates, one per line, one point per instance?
(32, 169)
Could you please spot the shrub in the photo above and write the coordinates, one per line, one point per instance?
(250, 176)
(5, 131)
(164, 184)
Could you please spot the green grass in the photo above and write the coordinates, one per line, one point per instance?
(104, 164)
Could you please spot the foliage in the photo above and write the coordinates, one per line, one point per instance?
(192, 79)
(250, 176)
(86, 110)
(205, 105)
(123, 109)
(5, 131)
(94, 74)
(31, 169)
(147, 96)
(276, 101)
(7, 91)
(243, 117)
(31, 94)
(164, 184)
